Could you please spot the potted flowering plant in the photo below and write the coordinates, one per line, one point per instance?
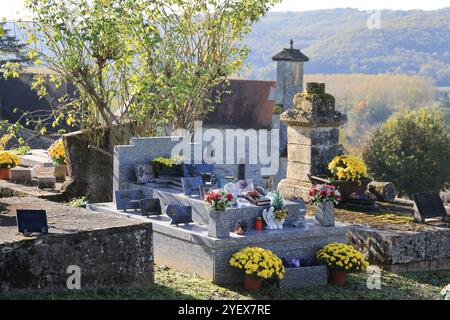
(219, 223)
(280, 213)
(340, 260)
(258, 264)
(8, 160)
(348, 174)
(58, 156)
(324, 197)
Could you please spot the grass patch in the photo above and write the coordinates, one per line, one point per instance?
(171, 285)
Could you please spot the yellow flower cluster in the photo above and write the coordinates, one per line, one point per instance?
(258, 262)
(8, 160)
(57, 152)
(348, 168)
(342, 257)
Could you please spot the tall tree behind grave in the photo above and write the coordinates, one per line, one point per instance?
(139, 65)
(11, 49)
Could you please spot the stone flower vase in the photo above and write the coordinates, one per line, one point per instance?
(325, 214)
(61, 172)
(338, 278)
(252, 283)
(219, 224)
(5, 174)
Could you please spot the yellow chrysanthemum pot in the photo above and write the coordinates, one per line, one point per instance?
(8, 160)
(348, 174)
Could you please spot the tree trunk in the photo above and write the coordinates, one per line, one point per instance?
(90, 170)
(384, 191)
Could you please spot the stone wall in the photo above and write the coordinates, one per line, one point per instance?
(112, 251)
(404, 251)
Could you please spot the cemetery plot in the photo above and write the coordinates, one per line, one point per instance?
(122, 259)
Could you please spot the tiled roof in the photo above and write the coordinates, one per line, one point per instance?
(249, 105)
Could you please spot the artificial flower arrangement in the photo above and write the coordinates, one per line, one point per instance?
(324, 193)
(57, 152)
(280, 212)
(219, 200)
(8, 160)
(342, 257)
(258, 263)
(348, 168)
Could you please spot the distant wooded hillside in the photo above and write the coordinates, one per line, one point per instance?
(339, 41)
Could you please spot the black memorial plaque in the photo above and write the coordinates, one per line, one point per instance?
(30, 221)
(179, 214)
(150, 207)
(128, 199)
(428, 205)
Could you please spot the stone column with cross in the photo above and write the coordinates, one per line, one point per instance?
(313, 138)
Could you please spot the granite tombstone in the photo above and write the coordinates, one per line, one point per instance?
(428, 205)
(128, 199)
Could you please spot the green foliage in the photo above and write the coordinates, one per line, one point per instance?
(78, 202)
(412, 150)
(168, 166)
(369, 100)
(138, 65)
(277, 201)
(11, 49)
(23, 150)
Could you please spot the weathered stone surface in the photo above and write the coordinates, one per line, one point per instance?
(46, 183)
(404, 250)
(313, 136)
(22, 175)
(384, 191)
(305, 277)
(112, 251)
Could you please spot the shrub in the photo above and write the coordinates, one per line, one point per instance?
(412, 150)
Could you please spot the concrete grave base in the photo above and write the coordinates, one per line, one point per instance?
(111, 251)
(190, 249)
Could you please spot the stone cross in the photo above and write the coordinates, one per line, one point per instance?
(313, 138)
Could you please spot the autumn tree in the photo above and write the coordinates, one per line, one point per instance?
(139, 65)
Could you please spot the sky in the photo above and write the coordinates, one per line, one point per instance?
(13, 9)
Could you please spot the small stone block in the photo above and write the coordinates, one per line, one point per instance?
(219, 224)
(304, 277)
(21, 175)
(46, 182)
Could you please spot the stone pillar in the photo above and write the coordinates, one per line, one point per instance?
(313, 138)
